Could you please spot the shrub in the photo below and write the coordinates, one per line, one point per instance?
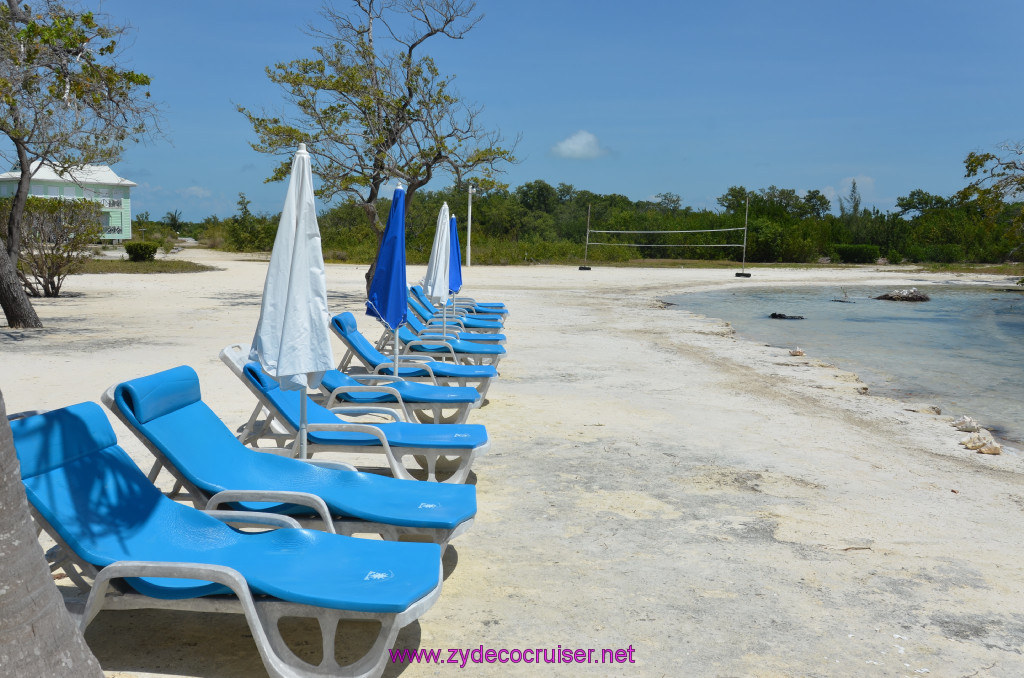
(141, 251)
(56, 234)
(946, 254)
(858, 254)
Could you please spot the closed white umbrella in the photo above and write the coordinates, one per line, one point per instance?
(292, 341)
(435, 283)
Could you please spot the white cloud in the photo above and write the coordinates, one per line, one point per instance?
(194, 192)
(580, 146)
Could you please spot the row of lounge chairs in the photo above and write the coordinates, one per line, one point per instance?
(143, 549)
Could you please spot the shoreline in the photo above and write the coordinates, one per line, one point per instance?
(914, 401)
(654, 482)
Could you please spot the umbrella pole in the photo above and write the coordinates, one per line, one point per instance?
(302, 424)
(394, 339)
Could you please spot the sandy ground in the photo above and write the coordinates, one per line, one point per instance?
(719, 506)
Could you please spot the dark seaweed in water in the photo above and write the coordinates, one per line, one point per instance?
(783, 316)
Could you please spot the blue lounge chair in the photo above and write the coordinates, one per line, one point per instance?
(111, 524)
(493, 315)
(467, 304)
(166, 411)
(426, 403)
(442, 348)
(435, 447)
(448, 329)
(462, 323)
(410, 367)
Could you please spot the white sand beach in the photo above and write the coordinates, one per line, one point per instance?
(719, 506)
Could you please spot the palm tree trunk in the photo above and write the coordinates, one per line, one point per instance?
(37, 635)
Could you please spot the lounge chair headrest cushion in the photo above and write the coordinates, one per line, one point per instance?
(161, 393)
(346, 322)
(50, 440)
(256, 374)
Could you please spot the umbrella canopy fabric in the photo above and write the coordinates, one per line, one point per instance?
(454, 259)
(292, 340)
(435, 283)
(386, 300)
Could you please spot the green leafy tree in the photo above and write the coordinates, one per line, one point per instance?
(670, 202)
(734, 200)
(998, 178)
(173, 219)
(815, 205)
(64, 102)
(917, 202)
(373, 108)
(538, 196)
(55, 241)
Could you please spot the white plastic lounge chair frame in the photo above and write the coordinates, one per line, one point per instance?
(266, 424)
(262, 613)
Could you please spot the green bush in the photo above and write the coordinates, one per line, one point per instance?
(857, 254)
(946, 254)
(141, 251)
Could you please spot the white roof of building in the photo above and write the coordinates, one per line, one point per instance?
(90, 174)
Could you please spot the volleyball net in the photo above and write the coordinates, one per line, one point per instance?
(589, 242)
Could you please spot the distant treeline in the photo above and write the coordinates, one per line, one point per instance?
(537, 222)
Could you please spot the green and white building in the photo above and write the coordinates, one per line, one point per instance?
(92, 182)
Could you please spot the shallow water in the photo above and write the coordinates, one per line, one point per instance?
(962, 351)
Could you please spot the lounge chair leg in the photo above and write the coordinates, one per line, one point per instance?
(369, 664)
(155, 471)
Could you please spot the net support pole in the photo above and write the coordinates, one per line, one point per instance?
(746, 218)
(586, 247)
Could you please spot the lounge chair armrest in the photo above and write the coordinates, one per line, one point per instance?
(423, 360)
(352, 428)
(254, 518)
(335, 394)
(454, 322)
(386, 411)
(286, 497)
(429, 333)
(376, 377)
(336, 465)
(435, 342)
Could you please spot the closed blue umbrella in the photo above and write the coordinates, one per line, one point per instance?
(454, 259)
(386, 300)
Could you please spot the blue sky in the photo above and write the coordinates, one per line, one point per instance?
(633, 98)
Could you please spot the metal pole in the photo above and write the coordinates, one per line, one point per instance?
(743, 267)
(302, 424)
(746, 218)
(586, 247)
(394, 337)
(469, 227)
